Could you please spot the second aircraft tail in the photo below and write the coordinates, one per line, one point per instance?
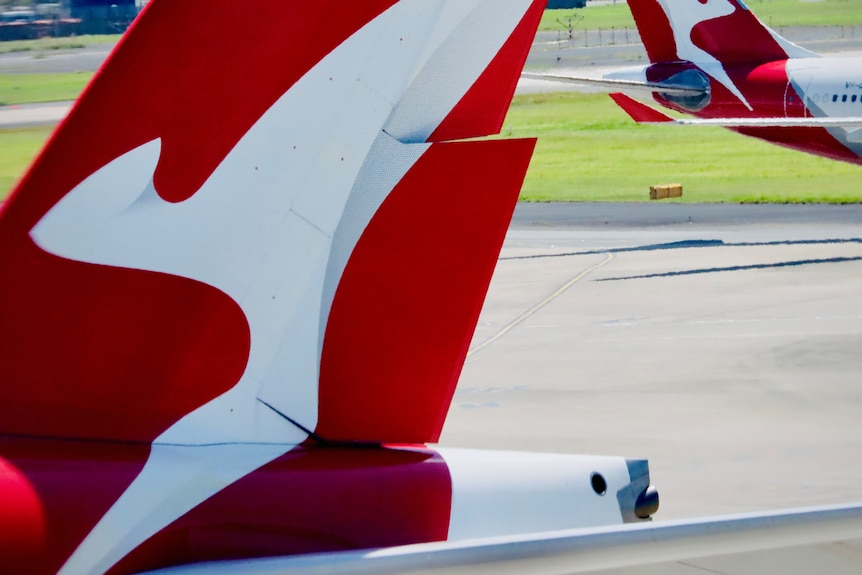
(708, 32)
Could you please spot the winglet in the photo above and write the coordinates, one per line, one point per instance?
(640, 113)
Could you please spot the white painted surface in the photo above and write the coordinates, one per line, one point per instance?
(671, 547)
(821, 79)
(472, 39)
(498, 493)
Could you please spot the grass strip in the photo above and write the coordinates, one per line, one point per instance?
(776, 13)
(54, 44)
(18, 147)
(589, 150)
(33, 88)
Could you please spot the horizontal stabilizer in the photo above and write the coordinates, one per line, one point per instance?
(615, 84)
(640, 113)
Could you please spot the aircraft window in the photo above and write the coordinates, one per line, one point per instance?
(600, 486)
(835, 97)
(816, 98)
(844, 98)
(853, 99)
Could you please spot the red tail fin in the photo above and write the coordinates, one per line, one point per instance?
(248, 232)
(724, 31)
(172, 257)
(655, 30)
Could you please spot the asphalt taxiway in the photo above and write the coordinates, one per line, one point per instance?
(32, 115)
(723, 343)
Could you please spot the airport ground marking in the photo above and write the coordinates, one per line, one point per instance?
(532, 311)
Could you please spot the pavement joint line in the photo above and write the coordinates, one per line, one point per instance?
(771, 334)
(532, 311)
(701, 568)
(689, 244)
(794, 263)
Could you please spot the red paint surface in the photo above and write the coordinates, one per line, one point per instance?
(483, 109)
(738, 38)
(811, 140)
(765, 88)
(410, 296)
(22, 519)
(68, 486)
(311, 500)
(638, 112)
(97, 352)
(655, 30)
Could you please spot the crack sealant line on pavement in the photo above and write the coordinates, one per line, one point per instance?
(532, 311)
(689, 244)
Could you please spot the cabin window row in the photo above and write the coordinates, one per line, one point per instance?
(835, 98)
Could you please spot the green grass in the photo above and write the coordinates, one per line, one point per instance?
(798, 13)
(592, 18)
(589, 150)
(17, 150)
(29, 88)
(52, 44)
(777, 13)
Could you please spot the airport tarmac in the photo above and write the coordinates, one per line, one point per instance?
(32, 115)
(728, 353)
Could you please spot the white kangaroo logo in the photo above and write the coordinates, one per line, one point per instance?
(273, 228)
(684, 15)
(261, 230)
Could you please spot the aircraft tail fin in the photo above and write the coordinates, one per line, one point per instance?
(724, 31)
(227, 240)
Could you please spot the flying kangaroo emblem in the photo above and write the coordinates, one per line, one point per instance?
(272, 228)
(260, 231)
(684, 17)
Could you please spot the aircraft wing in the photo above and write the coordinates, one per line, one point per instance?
(618, 84)
(681, 542)
(644, 114)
